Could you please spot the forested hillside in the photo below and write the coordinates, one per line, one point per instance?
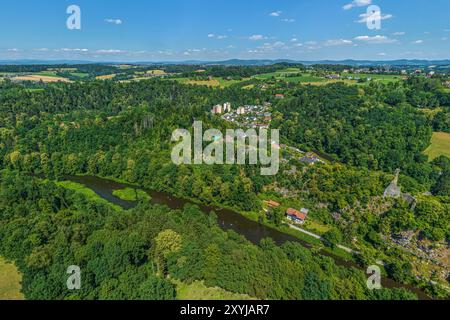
(130, 254)
(123, 131)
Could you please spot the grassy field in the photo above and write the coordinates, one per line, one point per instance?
(198, 291)
(79, 74)
(292, 75)
(383, 78)
(10, 280)
(156, 72)
(440, 146)
(130, 194)
(46, 74)
(316, 227)
(278, 74)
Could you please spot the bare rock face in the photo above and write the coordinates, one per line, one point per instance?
(393, 191)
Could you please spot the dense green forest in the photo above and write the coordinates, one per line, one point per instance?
(130, 254)
(123, 130)
(381, 128)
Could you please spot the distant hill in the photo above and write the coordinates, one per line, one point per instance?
(239, 62)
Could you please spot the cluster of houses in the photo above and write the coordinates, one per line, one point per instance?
(294, 215)
(250, 116)
(219, 108)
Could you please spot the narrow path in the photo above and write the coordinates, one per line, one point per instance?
(320, 238)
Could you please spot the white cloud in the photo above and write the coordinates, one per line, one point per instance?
(218, 37)
(257, 37)
(418, 42)
(41, 49)
(365, 16)
(337, 42)
(375, 39)
(294, 40)
(275, 14)
(382, 54)
(400, 33)
(277, 44)
(114, 21)
(72, 50)
(357, 3)
(13, 50)
(109, 51)
(288, 20)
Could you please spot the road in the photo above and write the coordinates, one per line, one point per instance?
(320, 238)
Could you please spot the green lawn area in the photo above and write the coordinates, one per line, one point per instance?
(10, 282)
(440, 146)
(198, 291)
(316, 227)
(80, 74)
(383, 78)
(290, 75)
(130, 194)
(47, 74)
(156, 72)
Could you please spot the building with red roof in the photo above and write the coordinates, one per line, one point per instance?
(297, 216)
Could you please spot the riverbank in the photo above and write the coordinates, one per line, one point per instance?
(307, 240)
(242, 223)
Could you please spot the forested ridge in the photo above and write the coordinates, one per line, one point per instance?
(123, 130)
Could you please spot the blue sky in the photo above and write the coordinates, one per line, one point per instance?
(175, 30)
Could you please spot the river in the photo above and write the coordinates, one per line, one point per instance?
(227, 219)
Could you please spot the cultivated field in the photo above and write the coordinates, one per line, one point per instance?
(106, 77)
(10, 280)
(440, 146)
(43, 78)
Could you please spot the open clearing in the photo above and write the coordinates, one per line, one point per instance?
(42, 78)
(10, 280)
(156, 72)
(198, 291)
(106, 77)
(440, 146)
(294, 75)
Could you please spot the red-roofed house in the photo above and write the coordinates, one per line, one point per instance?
(297, 216)
(272, 204)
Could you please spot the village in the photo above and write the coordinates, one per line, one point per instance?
(259, 116)
(248, 116)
